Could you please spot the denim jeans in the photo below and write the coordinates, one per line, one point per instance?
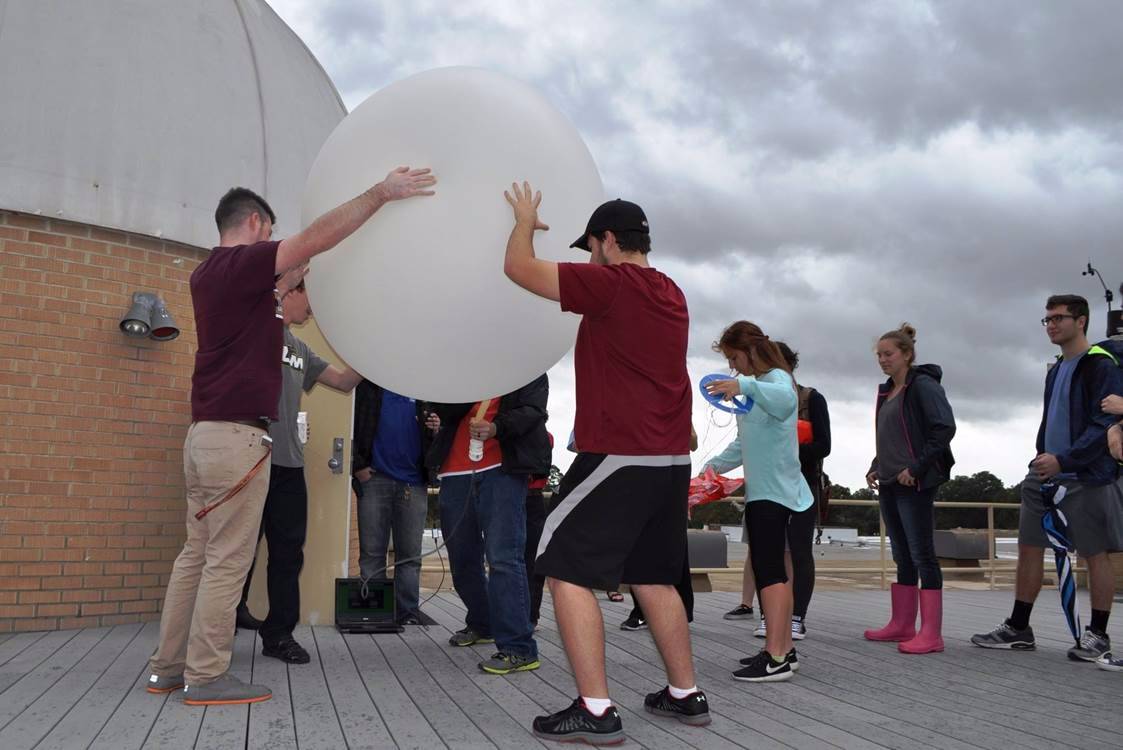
(389, 505)
(910, 521)
(484, 516)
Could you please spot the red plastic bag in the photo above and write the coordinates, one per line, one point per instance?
(709, 487)
(804, 432)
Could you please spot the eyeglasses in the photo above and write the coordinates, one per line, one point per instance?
(1053, 319)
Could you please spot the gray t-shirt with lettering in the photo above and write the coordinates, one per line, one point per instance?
(299, 369)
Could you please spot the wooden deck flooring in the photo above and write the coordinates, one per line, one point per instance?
(85, 689)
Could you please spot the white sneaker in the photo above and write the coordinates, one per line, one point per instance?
(799, 630)
(760, 631)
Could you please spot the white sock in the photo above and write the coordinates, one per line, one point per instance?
(597, 706)
(679, 693)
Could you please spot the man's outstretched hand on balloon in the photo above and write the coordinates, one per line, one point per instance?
(404, 182)
(525, 206)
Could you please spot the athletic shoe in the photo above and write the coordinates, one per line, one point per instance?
(1110, 663)
(693, 709)
(225, 690)
(469, 637)
(799, 630)
(1091, 647)
(740, 612)
(502, 663)
(1005, 636)
(158, 684)
(288, 651)
(792, 658)
(633, 623)
(762, 668)
(578, 724)
(760, 631)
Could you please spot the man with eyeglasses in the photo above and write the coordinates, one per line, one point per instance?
(1072, 451)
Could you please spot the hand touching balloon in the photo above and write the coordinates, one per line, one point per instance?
(525, 206)
(404, 182)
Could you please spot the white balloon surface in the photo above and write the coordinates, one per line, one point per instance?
(416, 299)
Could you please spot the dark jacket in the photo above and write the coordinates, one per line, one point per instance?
(368, 409)
(1096, 376)
(811, 455)
(520, 428)
(929, 425)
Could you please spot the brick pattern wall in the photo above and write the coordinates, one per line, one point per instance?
(91, 424)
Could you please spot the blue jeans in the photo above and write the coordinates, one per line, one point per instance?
(484, 515)
(386, 505)
(909, 521)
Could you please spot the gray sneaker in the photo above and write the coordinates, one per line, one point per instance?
(740, 612)
(225, 690)
(468, 637)
(507, 663)
(160, 685)
(1005, 636)
(1091, 647)
(1110, 663)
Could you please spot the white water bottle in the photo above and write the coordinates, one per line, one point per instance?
(302, 427)
(475, 449)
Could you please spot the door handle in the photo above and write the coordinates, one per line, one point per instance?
(335, 463)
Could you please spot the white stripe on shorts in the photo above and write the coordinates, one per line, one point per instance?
(609, 466)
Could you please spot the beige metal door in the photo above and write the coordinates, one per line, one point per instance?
(329, 496)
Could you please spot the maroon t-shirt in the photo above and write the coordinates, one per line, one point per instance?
(633, 391)
(240, 331)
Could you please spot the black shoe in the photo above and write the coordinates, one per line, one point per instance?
(288, 651)
(577, 724)
(792, 658)
(633, 623)
(693, 709)
(762, 668)
(245, 620)
(409, 619)
(1005, 636)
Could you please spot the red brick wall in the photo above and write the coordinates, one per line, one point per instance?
(91, 424)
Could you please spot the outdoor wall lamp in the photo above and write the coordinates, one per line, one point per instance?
(149, 318)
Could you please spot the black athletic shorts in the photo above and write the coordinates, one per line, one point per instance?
(617, 519)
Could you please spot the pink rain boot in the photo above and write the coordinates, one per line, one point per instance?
(928, 640)
(902, 622)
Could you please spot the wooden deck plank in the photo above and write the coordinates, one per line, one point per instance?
(455, 728)
(41, 715)
(317, 724)
(359, 718)
(33, 685)
(86, 688)
(272, 724)
(407, 724)
(226, 726)
(85, 720)
(15, 644)
(32, 655)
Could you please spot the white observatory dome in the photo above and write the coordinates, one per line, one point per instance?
(139, 114)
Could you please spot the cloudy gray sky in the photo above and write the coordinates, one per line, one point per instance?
(824, 169)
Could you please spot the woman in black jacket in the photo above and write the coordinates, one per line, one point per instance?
(914, 428)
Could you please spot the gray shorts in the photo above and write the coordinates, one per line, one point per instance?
(1094, 513)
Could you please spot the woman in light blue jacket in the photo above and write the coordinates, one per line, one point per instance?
(767, 446)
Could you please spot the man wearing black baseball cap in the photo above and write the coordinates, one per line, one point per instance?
(620, 515)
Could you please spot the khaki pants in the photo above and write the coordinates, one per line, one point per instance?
(197, 625)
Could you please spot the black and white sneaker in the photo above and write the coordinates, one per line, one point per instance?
(633, 623)
(763, 668)
(1092, 646)
(1005, 636)
(1110, 663)
(578, 724)
(693, 709)
(799, 630)
(792, 657)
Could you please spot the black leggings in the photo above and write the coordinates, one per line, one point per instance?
(768, 532)
(801, 532)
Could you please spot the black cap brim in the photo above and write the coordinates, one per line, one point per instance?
(582, 243)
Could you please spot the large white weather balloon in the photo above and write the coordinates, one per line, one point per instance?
(416, 300)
